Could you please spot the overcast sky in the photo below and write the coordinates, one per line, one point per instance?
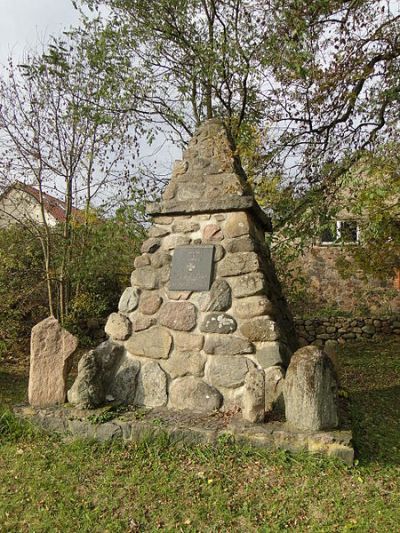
(26, 23)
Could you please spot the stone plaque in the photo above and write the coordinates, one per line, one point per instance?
(192, 268)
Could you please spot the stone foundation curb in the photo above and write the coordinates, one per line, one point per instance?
(186, 427)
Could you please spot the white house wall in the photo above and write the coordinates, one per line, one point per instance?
(20, 207)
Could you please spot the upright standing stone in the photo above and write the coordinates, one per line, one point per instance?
(96, 374)
(51, 351)
(310, 391)
(254, 396)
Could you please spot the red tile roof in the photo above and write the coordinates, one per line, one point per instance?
(52, 205)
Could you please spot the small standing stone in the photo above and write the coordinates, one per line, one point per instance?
(96, 370)
(274, 382)
(253, 399)
(311, 391)
(51, 351)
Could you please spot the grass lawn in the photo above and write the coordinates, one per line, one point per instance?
(49, 485)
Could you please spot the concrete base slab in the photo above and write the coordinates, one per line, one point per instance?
(185, 426)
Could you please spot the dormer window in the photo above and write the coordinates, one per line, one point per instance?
(341, 232)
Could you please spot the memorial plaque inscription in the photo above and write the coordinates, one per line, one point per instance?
(192, 268)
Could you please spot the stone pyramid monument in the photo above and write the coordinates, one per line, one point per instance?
(204, 324)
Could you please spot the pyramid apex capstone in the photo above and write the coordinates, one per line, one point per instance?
(209, 178)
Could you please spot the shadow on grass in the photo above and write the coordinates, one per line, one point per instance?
(13, 387)
(376, 425)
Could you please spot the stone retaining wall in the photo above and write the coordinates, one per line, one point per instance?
(343, 329)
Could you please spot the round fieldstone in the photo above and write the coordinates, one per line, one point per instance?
(227, 371)
(218, 323)
(253, 306)
(179, 316)
(160, 259)
(219, 252)
(194, 394)
(141, 261)
(260, 329)
(155, 343)
(129, 300)
(227, 345)
(247, 285)
(118, 327)
(238, 264)
(151, 386)
(185, 363)
(123, 386)
(185, 226)
(272, 353)
(158, 232)
(145, 278)
(237, 224)
(243, 244)
(179, 295)
(150, 303)
(150, 246)
(219, 298)
(163, 220)
(212, 233)
(188, 342)
(141, 322)
(172, 241)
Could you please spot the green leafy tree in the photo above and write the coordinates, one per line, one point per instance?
(319, 79)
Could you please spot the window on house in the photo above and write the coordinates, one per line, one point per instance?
(341, 231)
(328, 234)
(347, 231)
